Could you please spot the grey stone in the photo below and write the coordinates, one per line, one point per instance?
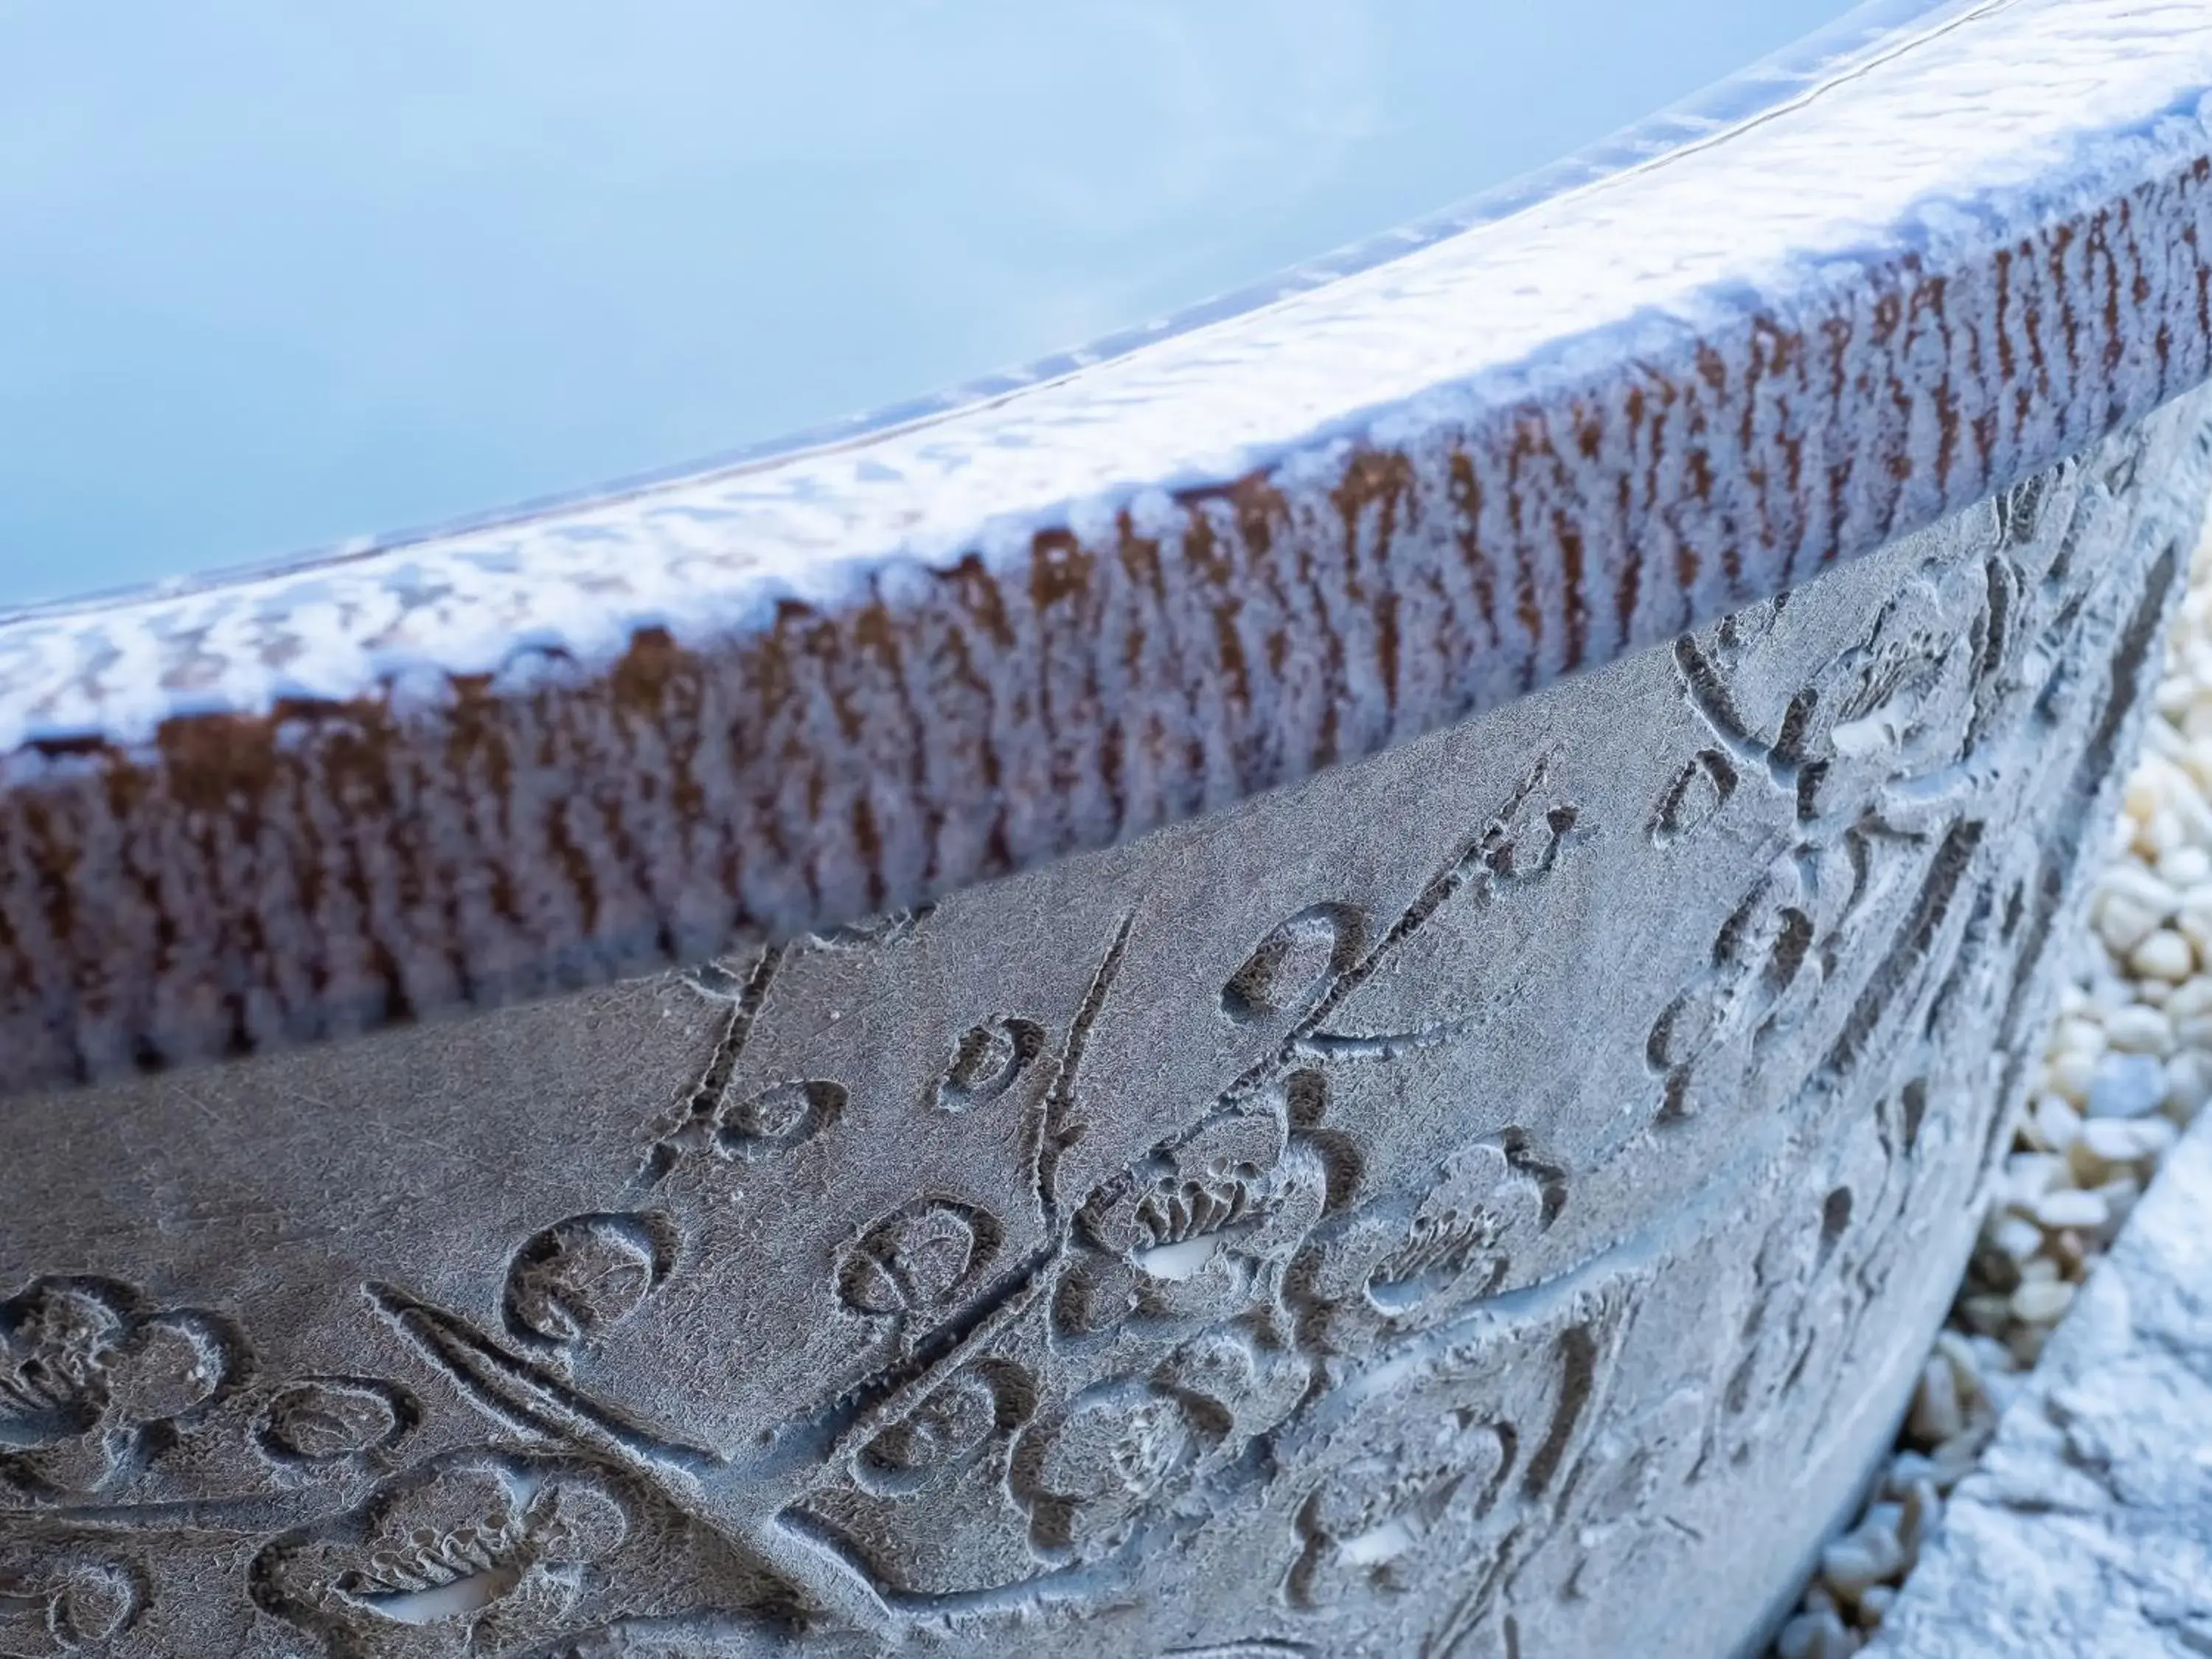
(2087, 1531)
(1487, 1202)
(2126, 1085)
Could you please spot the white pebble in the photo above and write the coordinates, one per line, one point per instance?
(2188, 1084)
(1920, 1512)
(2141, 1030)
(2122, 1140)
(1875, 1604)
(2190, 998)
(2140, 796)
(2110, 990)
(2156, 1136)
(2184, 867)
(2192, 816)
(1965, 1363)
(2054, 1125)
(1907, 1470)
(2126, 1085)
(1954, 1461)
(2159, 737)
(2096, 1159)
(2121, 1195)
(2193, 921)
(1994, 1358)
(2042, 1301)
(2069, 1073)
(2031, 1175)
(1814, 1636)
(2004, 1387)
(2128, 880)
(2085, 1211)
(1986, 1314)
(2164, 955)
(2080, 1032)
(1862, 1559)
(2123, 923)
(1937, 1414)
(2017, 1237)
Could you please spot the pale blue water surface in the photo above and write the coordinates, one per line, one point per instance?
(276, 274)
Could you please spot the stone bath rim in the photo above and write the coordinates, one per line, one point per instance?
(329, 797)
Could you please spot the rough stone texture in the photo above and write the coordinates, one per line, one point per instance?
(1485, 1203)
(583, 744)
(2088, 1532)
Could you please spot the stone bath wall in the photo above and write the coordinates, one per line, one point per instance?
(1488, 1202)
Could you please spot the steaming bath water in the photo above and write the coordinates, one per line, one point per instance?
(277, 276)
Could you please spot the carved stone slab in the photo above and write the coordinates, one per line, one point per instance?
(1484, 1203)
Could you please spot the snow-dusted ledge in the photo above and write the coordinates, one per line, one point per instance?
(1938, 251)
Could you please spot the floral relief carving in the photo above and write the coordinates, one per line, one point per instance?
(1633, 1475)
(1698, 792)
(1168, 1329)
(1290, 967)
(582, 1276)
(1440, 1469)
(775, 1120)
(1183, 1236)
(1876, 750)
(1128, 1447)
(1397, 1264)
(65, 1604)
(1318, 1295)
(949, 1429)
(986, 1061)
(472, 1553)
(88, 1375)
(1115, 1452)
(916, 1261)
(1798, 1311)
(1384, 1524)
(324, 1420)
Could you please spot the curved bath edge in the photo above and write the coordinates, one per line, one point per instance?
(536, 756)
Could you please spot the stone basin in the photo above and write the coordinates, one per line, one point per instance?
(1335, 979)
